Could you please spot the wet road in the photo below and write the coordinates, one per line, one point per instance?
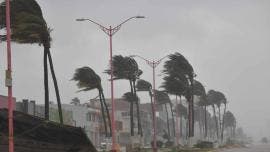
(253, 148)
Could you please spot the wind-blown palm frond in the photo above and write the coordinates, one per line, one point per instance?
(174, 84)
(178, 64)
(162, 97)
(87, 79)
(29, 26)
(124, 68)
(216, 97)
(143, 85)
(182, 110)
(129, 97)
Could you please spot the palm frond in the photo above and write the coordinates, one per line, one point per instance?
(143, 85)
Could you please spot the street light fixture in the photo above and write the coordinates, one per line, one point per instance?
(110, 31)
(153, 64)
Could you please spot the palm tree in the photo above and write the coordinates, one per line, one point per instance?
(179, 69)
(143, 85)
(88, 80)
(163, 98)
(183, 114)
(176, 85)
(229, 122)
(216, 98)
(127, 68)
(211, 98)
(199, 91)
(29, 27)
(129, 97)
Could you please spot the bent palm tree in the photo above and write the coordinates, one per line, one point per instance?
(88, 80)
(29, 27)
(179, 68)
(183, 114)
(216, 98)
(162, 98)
(127, 68)
(143, 85)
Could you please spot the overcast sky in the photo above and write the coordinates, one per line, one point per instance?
(227, 42)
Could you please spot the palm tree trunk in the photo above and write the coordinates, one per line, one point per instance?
(215, 116)
(103, 114)
(181, 119)
(56, 88)
(131, 112)
(138, 111)
(205, 122)
(222, 129)
(192, 107)
(108, 113)
(152, 105)
(200, 123)
(172, 119)
(219, 119)
(168, 125)
(46, 85)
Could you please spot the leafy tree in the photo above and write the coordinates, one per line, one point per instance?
(88, 80)
(126, 68)
(29, 27)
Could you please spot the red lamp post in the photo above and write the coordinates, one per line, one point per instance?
(153, 64)
(110, 31)
(9, 80)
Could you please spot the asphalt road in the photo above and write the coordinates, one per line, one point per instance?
(253, 148)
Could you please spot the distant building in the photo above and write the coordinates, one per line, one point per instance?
(4, 102)
(122, 119)
(87, 117)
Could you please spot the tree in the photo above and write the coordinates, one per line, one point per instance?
(163, 98)
(229, 122)
(88, 80)
(75, 101)
(29, 27)
(126, 68)
(216, 98)
(183, 114)
(179, 69)
(143, 85)
(176, 85)
(199, 90)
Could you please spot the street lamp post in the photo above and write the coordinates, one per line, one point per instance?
(153, 64)
(9, 80)
(110, 31)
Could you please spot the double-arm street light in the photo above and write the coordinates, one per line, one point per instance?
(110, 31)
(153, 64)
